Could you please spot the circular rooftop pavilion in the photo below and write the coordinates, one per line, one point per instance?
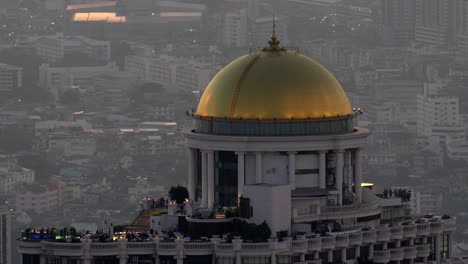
(274, 92)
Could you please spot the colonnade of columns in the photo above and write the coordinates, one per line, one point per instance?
(346, 173)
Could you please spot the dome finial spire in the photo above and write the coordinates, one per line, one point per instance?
(274, 42)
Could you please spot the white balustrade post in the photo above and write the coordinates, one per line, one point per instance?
(211, 181)
(192, 172)
(339, 174)
(358, 174)
(204, 179)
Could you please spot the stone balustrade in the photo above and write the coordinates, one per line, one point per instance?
(342, 241)
(397, 254)
(422, 229)
(423, 250)
(328, 242)
(450, 224)
(410, 252)
(355, 238)
(436, 227)
(369, 236)
(396, 232)
(383, 234)
(381, 256)
(409, 231)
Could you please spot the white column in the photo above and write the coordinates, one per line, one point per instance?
(437, 247)
(322, 169)
(258, 167)
(204, 180)
(339, 174)
(349, 170)
(192, 169)
(292, 170)
(343, 255)
(210, 179)
(240, 172)
(358, 174)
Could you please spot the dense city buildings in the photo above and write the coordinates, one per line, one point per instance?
(100, 101)
(5, 235)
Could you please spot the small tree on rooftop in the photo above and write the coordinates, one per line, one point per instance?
(178, 193)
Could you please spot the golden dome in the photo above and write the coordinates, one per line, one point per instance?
(274, 84)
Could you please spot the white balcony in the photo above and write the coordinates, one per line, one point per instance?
(396, 232)
(383, 234)
(422, 229)
(191, 248)
(166, 248)
(29, 247)
(410, 252)
(316, 261)
(63, 249)
(255, 248)
(315, 244)
(105, 249)
(369, 236)
(409, 231)
(450, 224)
(328, 242)
(423, 250)
(397, 254)
(334, 212)
(381, 256)
(299, 245)
(436, 227)
(224, 247)
(342, 241)
(355, 238)
(141, 248)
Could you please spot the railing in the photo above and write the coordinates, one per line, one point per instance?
(355, 238)
(397, 254)
(256, 246)
(450, 224)
(381, 256)
(224, 247)
(315, 244)
(341, 241)
(299, 244)
(436, 227)
(383, 234)
(166, 246)
(369, 236)
(198, 246)
(328, 242)
(423, 250)
(316, 261)
(63, 246)
(410, 252)
(396, 232)
(422, 229)
(409, 231)
(104, 246)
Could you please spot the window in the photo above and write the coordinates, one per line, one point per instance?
(225, 260)
(256, 260)
(283, 259)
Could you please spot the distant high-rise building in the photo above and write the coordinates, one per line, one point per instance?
(438, 116)
(5, 236)
(10, 79)
(398, 21)
(435, 22)
(235, 30)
